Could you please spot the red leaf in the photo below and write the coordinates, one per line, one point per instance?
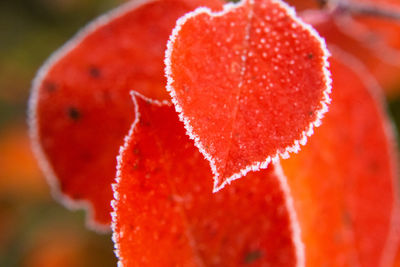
(250, 82)
(344, 181)
(343, 186)
(80, 106)
(166, 215)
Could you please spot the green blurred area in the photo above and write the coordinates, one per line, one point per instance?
(33, 226)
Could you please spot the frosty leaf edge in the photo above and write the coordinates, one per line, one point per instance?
(280, 176)
(295, 147)
(122, 150)
(32, 121)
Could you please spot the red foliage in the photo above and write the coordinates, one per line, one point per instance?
(250, 83)
(344, 180)
(167, 215)
(81, 109)
(253, 95)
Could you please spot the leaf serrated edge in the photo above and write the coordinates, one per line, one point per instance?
(115, 186)
(32, 121)
(295, 147)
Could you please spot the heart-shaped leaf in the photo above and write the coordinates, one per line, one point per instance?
(166, 214)
(250, 83)
(80, 108)
(344, 182)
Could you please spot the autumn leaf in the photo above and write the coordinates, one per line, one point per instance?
(254, 94)
(80, 108)
(342, 186)
(167, 215)
(344, 182)
(339, 192)
(250, 83)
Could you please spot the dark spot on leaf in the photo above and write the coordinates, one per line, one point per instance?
(311, 113)
(135, 166)
(136, 151)
(212, 229)
(94, 72)
(74, 113)
(310, 56)
(252, 256)
(346, 218)
(49, 86)
(145, 123)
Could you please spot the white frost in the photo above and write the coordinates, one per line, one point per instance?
(115, 186)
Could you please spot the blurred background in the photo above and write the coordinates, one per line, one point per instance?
(35, 230)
